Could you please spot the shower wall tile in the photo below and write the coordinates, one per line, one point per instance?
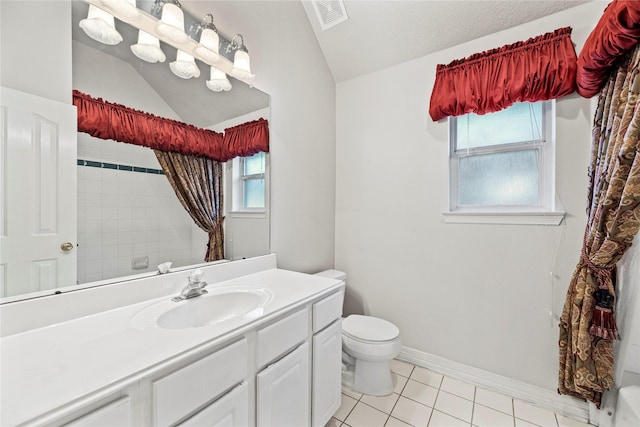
(127, 209)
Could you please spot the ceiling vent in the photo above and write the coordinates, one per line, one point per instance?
(330, 12)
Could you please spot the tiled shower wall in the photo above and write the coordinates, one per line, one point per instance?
(128, 213)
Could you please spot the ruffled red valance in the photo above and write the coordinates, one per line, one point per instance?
(106, 120)
(538, 69)
(248, 138)
(615, 34)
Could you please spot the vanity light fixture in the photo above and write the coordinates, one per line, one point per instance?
(124, 8)
(185, 66)
(148, 48)
(241, 61)
(164, 20)
(100, 26)
(218, 81)
(171, 23)
(209, 47)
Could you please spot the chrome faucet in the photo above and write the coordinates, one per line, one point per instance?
(194, 288)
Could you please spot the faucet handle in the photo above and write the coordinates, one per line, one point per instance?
(195, 277)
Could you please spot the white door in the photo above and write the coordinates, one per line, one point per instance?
(327, 373)
(283, 391)
(38, 210)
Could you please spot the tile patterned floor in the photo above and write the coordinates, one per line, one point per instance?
(424, 398)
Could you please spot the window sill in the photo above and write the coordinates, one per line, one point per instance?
(248, 214)
(508, 218)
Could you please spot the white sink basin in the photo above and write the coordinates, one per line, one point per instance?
(220, 304)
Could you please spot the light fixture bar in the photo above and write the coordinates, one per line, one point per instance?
(148, 23)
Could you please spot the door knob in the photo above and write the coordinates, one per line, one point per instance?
(66, 246)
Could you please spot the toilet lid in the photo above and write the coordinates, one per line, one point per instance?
(367, 328)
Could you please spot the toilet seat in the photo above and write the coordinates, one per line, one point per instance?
(370, 330)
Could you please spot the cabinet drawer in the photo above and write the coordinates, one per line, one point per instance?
(180, 393)
(278, 338)
(327, 310)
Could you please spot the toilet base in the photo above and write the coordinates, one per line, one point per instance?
(372, 378)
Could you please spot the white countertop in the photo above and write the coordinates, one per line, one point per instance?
(45, 368)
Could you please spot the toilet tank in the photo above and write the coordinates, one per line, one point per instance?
(333, 274)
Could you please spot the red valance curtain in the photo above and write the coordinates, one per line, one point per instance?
(107, 120)
(617, 32)
(538, 69)
(248, 138)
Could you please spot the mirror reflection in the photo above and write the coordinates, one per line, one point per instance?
(129, 220)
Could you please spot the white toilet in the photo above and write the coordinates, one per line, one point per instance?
(368, 344)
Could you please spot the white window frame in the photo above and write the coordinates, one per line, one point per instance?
(544, 212)
(235, 188)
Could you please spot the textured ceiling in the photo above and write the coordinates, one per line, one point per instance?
(380, 34)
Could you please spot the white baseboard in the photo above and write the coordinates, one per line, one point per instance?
(548, 399)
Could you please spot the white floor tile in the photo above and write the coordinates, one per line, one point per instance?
(422, 397)
(494, 400)
(351, 393)
(569, 422)
(455, 406)
(382, 403)
(459, 388)
(346, 406)
(487, 417)
(411, 412)
(421, 393)
(426, 376)
(366, 416)
(523, 423)
(394, 422)
(401, 368)
(398, 382)
(440, 419)
(533, 414)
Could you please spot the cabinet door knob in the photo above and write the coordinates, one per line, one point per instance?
(67, 246)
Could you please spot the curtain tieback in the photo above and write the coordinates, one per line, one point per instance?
(603, 322)
(215, 228)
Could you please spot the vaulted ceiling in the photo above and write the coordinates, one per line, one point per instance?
(380, 34)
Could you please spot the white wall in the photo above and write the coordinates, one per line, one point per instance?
(36, 58)
(479, 295)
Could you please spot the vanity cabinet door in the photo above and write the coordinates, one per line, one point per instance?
(283, 391)
(327, 373)
(231, 410)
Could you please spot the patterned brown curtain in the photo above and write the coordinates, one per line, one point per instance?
(197, 181)
(587, 325)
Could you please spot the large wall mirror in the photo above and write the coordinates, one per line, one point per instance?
(129, 220)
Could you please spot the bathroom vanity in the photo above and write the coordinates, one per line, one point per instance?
(259, 349)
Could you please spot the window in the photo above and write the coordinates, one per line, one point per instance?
(503, 162)
(249, 183)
